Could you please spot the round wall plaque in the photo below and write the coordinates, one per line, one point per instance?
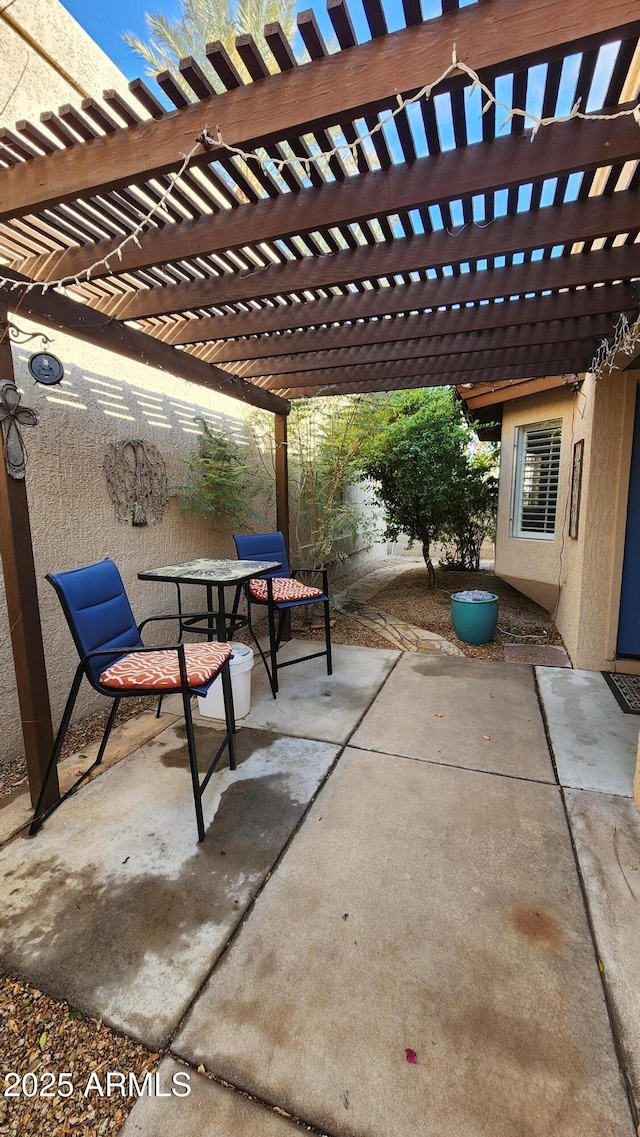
(46, 368)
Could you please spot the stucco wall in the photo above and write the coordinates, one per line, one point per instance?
(103, 398)
(49, 60)
(577, 580)
(611, 444)
(533, 566)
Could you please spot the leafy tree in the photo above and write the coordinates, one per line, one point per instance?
(420, 463)
(327, 437)
(222, 479)
(473, 511)
(206, 21)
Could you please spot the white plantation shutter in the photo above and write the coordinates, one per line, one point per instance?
(536, 482)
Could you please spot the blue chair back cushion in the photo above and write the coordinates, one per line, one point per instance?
(263, 547)
(98, 612)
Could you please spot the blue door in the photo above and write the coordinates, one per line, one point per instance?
(629, 624)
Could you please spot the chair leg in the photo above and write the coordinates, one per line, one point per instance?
(227, 691)
(107, 731)
(159, 707)
(39, 817)
(273, 649)
(193, 761)
(327, 636)
(260, 652)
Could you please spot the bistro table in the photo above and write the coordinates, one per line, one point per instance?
(218, 574)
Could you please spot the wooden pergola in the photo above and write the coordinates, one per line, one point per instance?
(448, 248)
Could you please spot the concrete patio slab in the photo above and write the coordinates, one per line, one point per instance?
(16, 810)
(594, 743)
(462, 712)
(312, 704)
(606, 831)
(115, 907)
(426, 909)
(209, 1110)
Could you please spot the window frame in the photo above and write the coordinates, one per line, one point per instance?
(520, 453)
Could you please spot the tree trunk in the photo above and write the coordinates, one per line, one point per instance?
(431, 572)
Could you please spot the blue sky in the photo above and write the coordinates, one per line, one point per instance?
(104, 20)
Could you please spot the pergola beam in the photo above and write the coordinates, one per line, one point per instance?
(601, 267)
(337, 88)
(477, 169)
(505, 392)
(23, 612)
(515, 361)
(79, 320)
(554, 225)
(545, 311)
(586, 331)
(410, 382)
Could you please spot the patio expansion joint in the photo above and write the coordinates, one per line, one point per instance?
(272, 1107)
(459, 766)
(611, 1014)
(236, 931)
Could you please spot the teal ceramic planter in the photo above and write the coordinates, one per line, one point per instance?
(474, 616)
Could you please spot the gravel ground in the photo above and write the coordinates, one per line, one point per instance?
(14, 774)
(39, 1035)
(409, 598)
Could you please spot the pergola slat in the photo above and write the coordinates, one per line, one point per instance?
(545, 313)
(551, 226)
(480, 168)
(609, 265)
(574, 355)
(558, 332)
(344, 86)
(368, 385)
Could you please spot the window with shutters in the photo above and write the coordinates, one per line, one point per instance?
(537, 467)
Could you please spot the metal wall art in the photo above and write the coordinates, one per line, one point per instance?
(12, 417)
(137, 480)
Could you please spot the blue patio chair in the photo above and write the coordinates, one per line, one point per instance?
(116, 663)
(281, 592)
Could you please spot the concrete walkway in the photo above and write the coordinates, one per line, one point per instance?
(384, 933)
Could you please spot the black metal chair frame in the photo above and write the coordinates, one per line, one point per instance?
(83, 671)
(275, 636)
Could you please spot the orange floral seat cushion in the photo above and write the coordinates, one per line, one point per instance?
(160, 670)
(284, 588)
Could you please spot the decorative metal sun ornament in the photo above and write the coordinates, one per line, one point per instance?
(12, 417)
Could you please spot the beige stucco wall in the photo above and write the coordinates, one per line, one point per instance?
(103, 398)
(49, 60)
(577, 580)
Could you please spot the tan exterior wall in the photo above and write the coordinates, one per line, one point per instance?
(49, 60)
(577, 580)
(103, 398)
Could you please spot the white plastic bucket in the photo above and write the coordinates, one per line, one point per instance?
(211, 705)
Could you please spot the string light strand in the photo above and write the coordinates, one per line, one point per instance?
(217, 142)
(625, 341)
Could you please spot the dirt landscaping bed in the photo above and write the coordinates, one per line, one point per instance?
(520, 620)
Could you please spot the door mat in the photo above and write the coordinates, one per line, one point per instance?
(626, 689)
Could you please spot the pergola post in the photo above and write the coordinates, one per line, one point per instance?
(282, 496)
(23, 612)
